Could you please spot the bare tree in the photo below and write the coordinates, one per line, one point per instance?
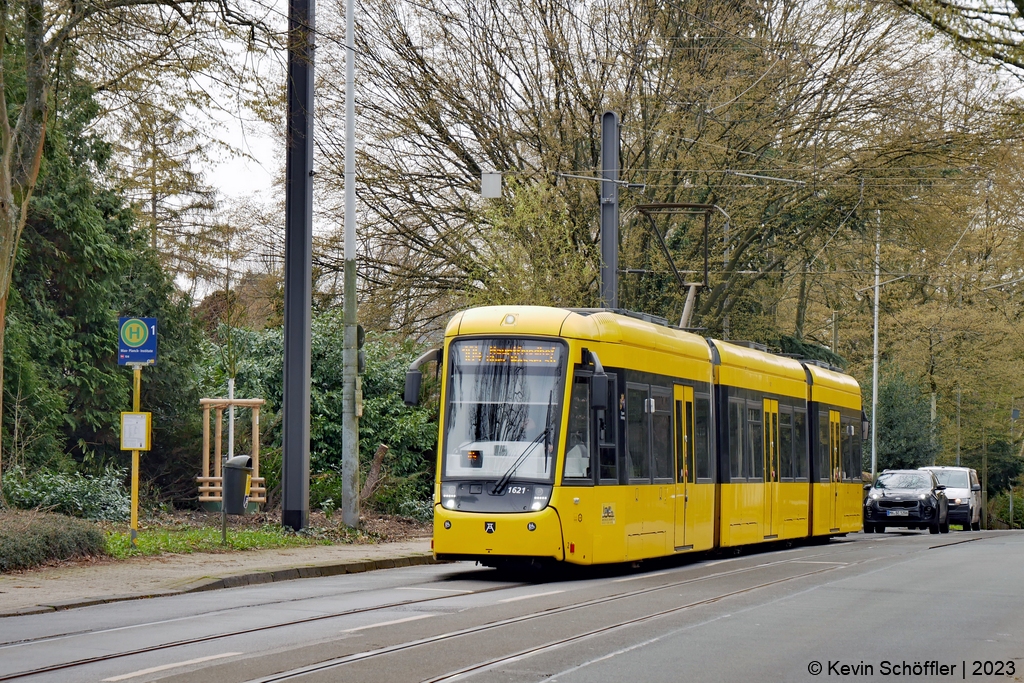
(993, 29)
(774, 111)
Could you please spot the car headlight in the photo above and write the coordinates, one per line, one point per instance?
(874, 496)
(924, 496)
(448, 495)
(956, 501)
(541, 495)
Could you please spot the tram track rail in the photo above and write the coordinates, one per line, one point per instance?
(452, 675)
(407, 603)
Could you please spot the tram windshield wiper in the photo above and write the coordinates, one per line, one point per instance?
(505, 478)
(547, 430)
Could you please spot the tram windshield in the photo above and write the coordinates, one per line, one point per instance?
(504, 403)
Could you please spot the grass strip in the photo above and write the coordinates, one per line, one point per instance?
(204, 540)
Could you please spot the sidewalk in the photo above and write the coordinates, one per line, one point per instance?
(45, 590)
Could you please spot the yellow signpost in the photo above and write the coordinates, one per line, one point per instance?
(136, 430)
(136, 347)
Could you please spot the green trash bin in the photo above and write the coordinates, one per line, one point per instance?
(236, 484)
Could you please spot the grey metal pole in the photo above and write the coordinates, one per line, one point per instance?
(610, 209)
(298, 266)
(958, 425)
(874, 364)
(350, 419)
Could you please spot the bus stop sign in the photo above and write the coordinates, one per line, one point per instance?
(136, 341)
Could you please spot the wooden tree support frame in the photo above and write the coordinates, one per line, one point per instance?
(210, 485)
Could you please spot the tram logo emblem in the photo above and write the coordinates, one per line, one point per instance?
(608, 514)
(489, 527)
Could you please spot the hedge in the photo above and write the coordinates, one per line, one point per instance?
(29, 539)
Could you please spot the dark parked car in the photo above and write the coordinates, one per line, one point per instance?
(906, 498)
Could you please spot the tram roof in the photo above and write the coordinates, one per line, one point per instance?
(599, 325)
(823, 378)
(731, 355)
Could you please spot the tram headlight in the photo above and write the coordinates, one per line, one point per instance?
(541, 495)
(448, 495)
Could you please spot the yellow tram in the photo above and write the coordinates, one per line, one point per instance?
(591, 436)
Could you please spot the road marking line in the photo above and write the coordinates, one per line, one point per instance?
(531, 595)
(641, 576)
(815, 562)
(440, 590)
(387, 623)
(143, 672)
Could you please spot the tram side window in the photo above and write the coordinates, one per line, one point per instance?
(606, 421)
(636, 434)
(577, 445)
(755, 465)
(824, 446)
(735, 439)
(801, 460)
(701, 441)
(661, 428)
(785, 445)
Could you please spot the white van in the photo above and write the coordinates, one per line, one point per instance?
(963, 490)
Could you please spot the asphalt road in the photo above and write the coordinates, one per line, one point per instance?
(898, 606)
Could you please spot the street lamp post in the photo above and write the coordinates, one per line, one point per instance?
(874, 363)
(1014, 414)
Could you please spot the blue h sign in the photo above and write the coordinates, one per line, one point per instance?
(136, 341)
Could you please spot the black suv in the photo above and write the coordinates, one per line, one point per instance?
(906, 498)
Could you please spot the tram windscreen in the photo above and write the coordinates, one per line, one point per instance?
(503, 408)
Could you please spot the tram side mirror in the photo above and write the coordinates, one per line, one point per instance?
(865, 430)
(599, 391)
(413, 379)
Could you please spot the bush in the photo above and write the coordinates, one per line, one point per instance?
(403, 496)
(28, 539)
(74, 494)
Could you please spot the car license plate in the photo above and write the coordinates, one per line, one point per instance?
(897, 513)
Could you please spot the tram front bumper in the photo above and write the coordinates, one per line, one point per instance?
(482, 535)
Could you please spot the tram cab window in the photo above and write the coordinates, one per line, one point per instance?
(801, 460)
(687, 451)
(638, 451)
(851, 449)
(785, 444)
(736, 439)
(608, 470)
(858, 451)
(577, 444)
(701, 440)
(845, 450)
(824, 447)
(755, 464)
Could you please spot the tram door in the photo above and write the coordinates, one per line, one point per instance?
(685, 472)
(835, 469)
(771, 468)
